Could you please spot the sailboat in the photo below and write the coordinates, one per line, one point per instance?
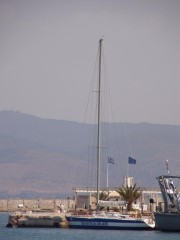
(102, 220)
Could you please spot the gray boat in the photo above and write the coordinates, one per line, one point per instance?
(168, 219)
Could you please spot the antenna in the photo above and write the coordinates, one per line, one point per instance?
(167, 165)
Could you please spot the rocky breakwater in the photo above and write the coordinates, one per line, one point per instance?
(35, 205)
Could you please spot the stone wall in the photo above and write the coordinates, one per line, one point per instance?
(35, 204)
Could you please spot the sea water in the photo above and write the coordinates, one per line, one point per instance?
(76, 234)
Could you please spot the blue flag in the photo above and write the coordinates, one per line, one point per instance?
(131, 160)
(110, 160)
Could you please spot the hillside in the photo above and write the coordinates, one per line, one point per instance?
(46, 158)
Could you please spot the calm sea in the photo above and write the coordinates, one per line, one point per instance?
(73, 234)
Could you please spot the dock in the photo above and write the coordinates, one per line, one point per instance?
(37, 219)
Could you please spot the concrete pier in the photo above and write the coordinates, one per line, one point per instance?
(31, 219)
(48, 213)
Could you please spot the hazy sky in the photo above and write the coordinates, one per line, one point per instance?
(48, 50)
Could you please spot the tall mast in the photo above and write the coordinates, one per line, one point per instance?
(99, 121)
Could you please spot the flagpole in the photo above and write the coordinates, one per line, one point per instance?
(130, 161)
(107, 175)
(127, 170)
(109, 161)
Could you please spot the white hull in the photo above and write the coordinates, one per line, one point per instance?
(91, 222)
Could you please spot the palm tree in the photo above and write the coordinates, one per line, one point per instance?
(129, 194)
(103, 196)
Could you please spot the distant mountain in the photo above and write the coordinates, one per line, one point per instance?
(46, 158)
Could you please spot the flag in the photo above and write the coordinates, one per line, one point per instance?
(110, 160)
(131, 160)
